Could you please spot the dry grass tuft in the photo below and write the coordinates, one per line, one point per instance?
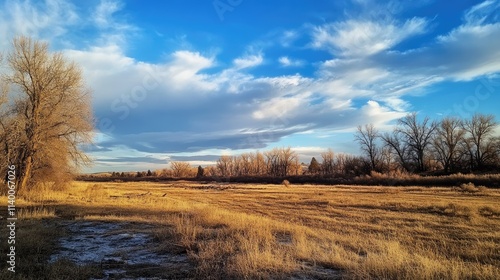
(491, 212)
(45, 192)
(37, 212)
(94, 193)
(472, 189)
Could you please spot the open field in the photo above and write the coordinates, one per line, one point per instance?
(237, 231)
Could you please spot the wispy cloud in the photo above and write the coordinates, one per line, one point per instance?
(103, 14)
(288, 37)
(248, 61)
(485, 12)
(113, 29)
(285, 61)
(363, 38)
(44, 20)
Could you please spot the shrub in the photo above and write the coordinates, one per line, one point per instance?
(94, 192)
(377, 175)
(469, 188)
(286, 183)
(482, 188)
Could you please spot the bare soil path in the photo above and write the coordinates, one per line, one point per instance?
(123, 251)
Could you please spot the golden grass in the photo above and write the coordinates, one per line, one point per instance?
(272, 231)
(37, 212)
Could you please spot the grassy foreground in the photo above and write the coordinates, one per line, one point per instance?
(236, 231)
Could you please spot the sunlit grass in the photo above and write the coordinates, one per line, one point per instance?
(264, 231)
(36, 213)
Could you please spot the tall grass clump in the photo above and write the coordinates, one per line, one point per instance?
(94, 193)
(471, 188)
(286, 183)
(36, 213)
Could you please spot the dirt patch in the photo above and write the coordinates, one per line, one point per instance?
(121, 250)
(309, 271)
(213, 187)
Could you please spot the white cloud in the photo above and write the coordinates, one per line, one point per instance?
(467, 52)
(285, 61)
(115, 76)
(277, 107)
(248, 61)
(378, 114)
(48, 20)
(286, 84)
(183, 70)
(101, 60)
(363, 38)
(104, 12)
(481, 12)
(113, 30)
(471, 49)
(288, 37)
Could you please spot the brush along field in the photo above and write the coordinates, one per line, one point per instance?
(237, 231)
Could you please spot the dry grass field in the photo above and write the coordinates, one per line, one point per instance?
(237, 231)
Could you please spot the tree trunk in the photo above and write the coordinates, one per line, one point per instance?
(25, 174)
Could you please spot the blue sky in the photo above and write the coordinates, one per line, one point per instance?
(193, 80)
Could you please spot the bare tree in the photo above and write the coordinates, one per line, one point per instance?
(446, 142)
(295, 167)
(348, 165)
(272, 162)
(288, 158)
(165, 172)
(480, 140)
(280, 161)
(225, 166)
(3, 124)
(245, 164)
(51, 114)
(367, 137)
(355, 166)
(418, 137)
(328, 164)
(210, 171)
(410, 141)
(258, 163)
(5, 121)
(386, 159)
(180, 169)
(3, 88)
(496, 148)
(398, 148)
(236, 166)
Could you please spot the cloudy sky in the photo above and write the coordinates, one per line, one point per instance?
(194, 79)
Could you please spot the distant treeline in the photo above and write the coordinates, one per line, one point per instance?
(414, 147)
(376, 179)
(424, 147)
